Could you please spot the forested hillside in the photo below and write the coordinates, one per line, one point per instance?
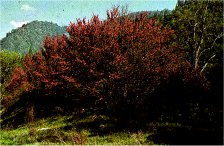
(30, 36)
(159, 15)
(129, 79)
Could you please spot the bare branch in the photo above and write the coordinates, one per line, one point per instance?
(206, 64)
(214, 42)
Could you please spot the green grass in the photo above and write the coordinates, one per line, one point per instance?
(66, 130)
(123, 138)
(101, 130)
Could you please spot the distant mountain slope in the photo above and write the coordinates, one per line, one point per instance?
(30, 36)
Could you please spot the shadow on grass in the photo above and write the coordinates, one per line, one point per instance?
(172, 133)
(187, 136)
(96, 124)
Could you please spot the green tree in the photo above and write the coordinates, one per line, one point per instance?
(8, 62)
(199, 31)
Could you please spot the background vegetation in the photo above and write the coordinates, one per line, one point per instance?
(9, 61)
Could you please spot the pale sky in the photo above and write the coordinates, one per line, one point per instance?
(15, 13)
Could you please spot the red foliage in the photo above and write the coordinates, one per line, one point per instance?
(105, 58)
(18, 78)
